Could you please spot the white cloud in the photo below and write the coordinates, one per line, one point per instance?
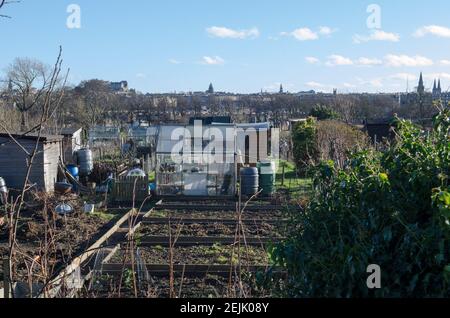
(141, 75)
(365, 61)
(315, 85)
(436, 30)
(403, 76)
(174, 61)
(445, 62)
(348, 85)
(374, 83)
(324, 30)
(405, 60)
(226, 33)
(210, 60)
(307, 34)
(312, 60)
(433, 76)
(336, 60)
(377, 35)
(304, 34)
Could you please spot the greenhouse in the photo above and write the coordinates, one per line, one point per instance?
(196, 161)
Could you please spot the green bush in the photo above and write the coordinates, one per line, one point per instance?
(305, 145)
(391, 209)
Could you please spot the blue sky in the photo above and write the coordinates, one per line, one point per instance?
(241, 46)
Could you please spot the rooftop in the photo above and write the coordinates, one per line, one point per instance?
(21, 136)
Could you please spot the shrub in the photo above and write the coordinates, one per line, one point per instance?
(391, 209)
(325, 140)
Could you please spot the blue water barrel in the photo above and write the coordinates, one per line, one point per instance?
(249, 181)
(85, 161)
(73, 170)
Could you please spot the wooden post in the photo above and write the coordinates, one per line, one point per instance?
(6, 282)
(283, 174)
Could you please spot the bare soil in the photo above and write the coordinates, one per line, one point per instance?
(211, 229)
(71, 235)
(196, 255)
(189, 214)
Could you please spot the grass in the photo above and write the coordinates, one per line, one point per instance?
(104, 215)
(298, 187)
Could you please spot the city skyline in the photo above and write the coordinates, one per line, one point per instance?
(361, 46)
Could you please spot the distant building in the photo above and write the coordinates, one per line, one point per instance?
(210, 89)
(439, 96)
(420, 97)
(119, 87)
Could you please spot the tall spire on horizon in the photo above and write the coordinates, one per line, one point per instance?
(421, 87)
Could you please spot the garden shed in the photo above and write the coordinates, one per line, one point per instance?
(189, 162)
(72, 142)
(13, 160)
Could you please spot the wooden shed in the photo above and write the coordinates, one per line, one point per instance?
(13, 160)
(71, 143)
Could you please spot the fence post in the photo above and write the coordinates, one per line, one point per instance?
(6, 282)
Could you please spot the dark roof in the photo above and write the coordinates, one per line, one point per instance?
(379, 131)
(210, 120)
(70, 130)
(43, 138)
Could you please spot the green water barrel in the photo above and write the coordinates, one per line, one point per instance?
(267, 173)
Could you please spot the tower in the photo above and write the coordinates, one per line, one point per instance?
(439, 90)
(421, 87)
(281, 89)
(210, 89)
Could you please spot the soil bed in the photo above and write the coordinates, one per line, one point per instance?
(196, 255)
(212, 229)
(210, 286)
(260, 215)
(71, 235)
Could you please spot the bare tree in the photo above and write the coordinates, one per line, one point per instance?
(50, 104)
(3, 3)
(24, 75)
(94, 97)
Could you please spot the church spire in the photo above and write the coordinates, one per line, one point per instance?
(439, 87)
(421, 87)
(281, 89)
(210, 89)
